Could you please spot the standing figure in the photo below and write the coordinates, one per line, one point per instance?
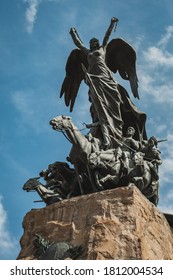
(129, 146)
(103, 91)
(153, 158)
(152, 155)
(110, 102)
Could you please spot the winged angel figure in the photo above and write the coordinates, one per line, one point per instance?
(111, 108)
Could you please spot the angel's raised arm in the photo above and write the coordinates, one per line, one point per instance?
(108, 32)
(76, 39)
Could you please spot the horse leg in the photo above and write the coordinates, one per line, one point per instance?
(151, 192)
(91, 179)
(110, 179)
(139, 182)
(48, 196)
(99, 185)
(79, 178)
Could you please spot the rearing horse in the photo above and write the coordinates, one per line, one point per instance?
(81, 146)
(47, 196)
(78, 140)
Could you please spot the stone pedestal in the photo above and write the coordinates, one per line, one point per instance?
(114, 224)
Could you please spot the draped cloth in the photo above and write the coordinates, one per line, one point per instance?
(111, 105)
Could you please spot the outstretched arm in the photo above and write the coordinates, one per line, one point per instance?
(76, 39)
(108, 32)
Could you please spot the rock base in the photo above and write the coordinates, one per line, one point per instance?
(114, 224)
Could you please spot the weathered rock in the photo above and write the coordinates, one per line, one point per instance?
(114, 224)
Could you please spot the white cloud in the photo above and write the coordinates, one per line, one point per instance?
(83, 103)
(31, 13)
(157, 56)
(166, 169)
(7, 242)
(164, 208)
(166, 37)
(165, 204)
(22, 102)
(166, 175)
(160, 90)
(31, 110)
(160, 129)
(155, 70)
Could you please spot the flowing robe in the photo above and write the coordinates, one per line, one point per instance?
(111, 105)
(104, 95)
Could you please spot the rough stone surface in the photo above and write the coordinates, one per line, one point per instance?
(114, 224)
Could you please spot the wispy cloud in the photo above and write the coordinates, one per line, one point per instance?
(158, 54)
(31, 110)
(166, 170)
(154, 72)
(7, 243)
(165, 208)
(31, 13)
(166, 37)
(165, 204)
(12, 163)
(160, 89)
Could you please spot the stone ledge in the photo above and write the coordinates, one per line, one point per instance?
(113, 224)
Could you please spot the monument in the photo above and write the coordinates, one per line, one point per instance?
(115, 153)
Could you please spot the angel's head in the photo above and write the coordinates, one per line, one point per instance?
(94, 44)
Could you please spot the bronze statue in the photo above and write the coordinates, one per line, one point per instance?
(129, 146)
(115, 152)
(109, 101)
(111, 154)
(47, 196)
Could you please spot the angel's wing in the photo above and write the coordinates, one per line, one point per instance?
(122, 57)
(74, 77)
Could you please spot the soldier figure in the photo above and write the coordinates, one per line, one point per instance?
(129, 147)
(153, 158)
(152, 155)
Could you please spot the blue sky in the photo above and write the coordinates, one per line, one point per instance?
(34, 46)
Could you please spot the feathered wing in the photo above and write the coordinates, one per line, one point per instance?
(122, 57)
(74, 77)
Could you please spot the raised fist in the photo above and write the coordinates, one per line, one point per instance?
(73, 30)
(114, 19)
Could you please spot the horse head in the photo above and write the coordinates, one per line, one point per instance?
(58, 165)
(60, 122)
(31, 184)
